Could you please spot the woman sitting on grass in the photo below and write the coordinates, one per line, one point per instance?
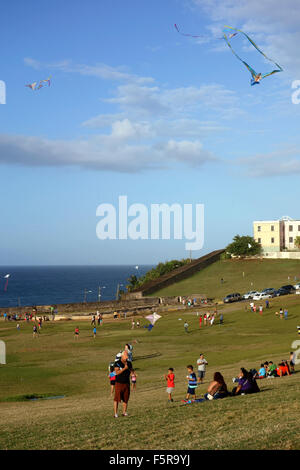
(217, 388)
(246, 384)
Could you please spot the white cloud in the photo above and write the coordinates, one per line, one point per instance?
(112, 152)
(282, 162)
(103, 71)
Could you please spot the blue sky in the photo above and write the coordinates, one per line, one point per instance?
(136, 109)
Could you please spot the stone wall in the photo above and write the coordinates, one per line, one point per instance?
(183, 272)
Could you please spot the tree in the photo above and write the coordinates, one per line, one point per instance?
(297, 242)
(244, 246)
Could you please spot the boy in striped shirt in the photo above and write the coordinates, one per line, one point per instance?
(192, 383)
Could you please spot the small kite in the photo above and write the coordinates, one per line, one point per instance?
(33, 86)
(153, 318)
(7, 276)
(256, 77)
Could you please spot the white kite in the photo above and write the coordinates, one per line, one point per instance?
(153, 318)
(7, 276)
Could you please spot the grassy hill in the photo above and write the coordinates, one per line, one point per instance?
(55, 364)
(239, 276)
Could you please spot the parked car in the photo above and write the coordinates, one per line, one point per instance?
(232, 298)
(291, 289)
(261, 296)
(250, 294)
(269, 290)
(281, 292)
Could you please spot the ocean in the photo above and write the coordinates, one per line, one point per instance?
(46, 285)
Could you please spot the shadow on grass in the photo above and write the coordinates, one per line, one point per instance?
(149, 356)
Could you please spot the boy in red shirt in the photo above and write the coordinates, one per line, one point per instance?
(170, 378)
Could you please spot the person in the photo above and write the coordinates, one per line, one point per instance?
(271, 371)
(205, 319)
(94, 331)
(35, 330)
(112, 379)
(192, 382)
(5, 316)
(262, 373)
(281, 314)
(123, 369)
(93, 322)
(170, 378)
(186, 325)
(292, 361)
(200, 321)
(246, 384)
(217, 388)
(267, 303)
(128, 350)
(137, 324)
(285, 313)
(282, 369)
(18, 326)
(221, 319)
(252, 306)
(132, 324)
(212, 320)
(201, 363)
(76, 333)
(133, 376)
(260, 309)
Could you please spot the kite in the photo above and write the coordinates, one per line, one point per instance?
(152, 319)
(33, 85)
(7, 276)
(256, 77)
(194, 36)
(190, 402)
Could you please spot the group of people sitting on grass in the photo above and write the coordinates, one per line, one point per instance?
(217, 387)
(270, 370)
(246, 381)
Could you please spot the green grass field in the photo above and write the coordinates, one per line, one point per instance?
(258, 274)
(54, 364)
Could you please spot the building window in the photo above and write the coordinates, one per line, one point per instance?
(272, 240)
(272, 228)
(259, 228)
(291, 240)
(259, 240)
(290, 228)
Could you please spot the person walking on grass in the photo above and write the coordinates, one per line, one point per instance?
(170, 378)
(35, 331)
(123, 369)
(192, 383)
(94, 331)
(201, 363)
(76, 333)
(133, 376)
(112, 379)
(186, 325)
